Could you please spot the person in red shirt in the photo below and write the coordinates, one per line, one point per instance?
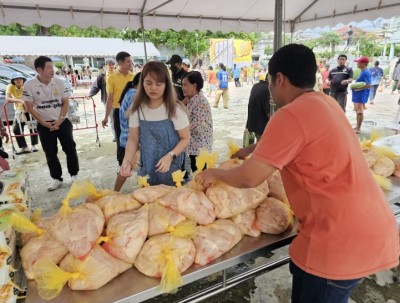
(325, 74)
(346, 229)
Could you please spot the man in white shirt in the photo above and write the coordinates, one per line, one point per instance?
(46, 99)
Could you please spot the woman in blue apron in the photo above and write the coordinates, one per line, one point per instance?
(160, 124)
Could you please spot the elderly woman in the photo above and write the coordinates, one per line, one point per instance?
(200, 119)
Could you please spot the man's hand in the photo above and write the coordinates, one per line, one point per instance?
(49, 125)
(206, 177)
(244, 152)
(104, 123)
(56, 124)
(3, 134)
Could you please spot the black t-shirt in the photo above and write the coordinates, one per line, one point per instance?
(258, 108)
(337, 75)
(177, 82)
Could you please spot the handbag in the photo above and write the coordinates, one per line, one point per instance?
(249, 138)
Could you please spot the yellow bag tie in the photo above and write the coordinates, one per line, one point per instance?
(50, 279)
(142, 181)
(233, 148)
(177, 177)
(18, 221)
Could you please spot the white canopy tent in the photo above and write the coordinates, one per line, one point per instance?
(72, 46)
(214, 15)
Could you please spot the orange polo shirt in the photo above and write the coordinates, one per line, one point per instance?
(347, 229)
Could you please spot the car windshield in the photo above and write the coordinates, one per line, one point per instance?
(23, 68)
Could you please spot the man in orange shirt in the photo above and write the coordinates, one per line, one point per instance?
(346, 228)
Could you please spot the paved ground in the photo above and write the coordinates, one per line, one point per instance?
(99, 165)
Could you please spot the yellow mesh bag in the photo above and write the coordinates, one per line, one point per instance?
(50, 279)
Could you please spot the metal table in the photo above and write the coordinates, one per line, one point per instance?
(133, 287)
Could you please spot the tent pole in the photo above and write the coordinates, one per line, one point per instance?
(277, 41)
(142, 27)
(144, 39)
(278, 25)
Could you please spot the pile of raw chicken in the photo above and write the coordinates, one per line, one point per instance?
(160, 230)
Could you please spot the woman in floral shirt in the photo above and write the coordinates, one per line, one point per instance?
(200, 119)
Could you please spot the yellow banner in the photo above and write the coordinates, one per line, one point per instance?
(242, 51)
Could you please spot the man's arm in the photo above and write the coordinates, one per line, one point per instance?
(35, 114)
(96, 87)
(250, 174)
(63, 113)
(109, 104)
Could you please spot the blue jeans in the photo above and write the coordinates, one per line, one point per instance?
(307, 288)
(372, 91)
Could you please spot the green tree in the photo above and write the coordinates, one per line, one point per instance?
(367, 43)
(329, 39)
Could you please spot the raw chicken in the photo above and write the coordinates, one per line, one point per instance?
(44, 246)
(231, 163)
(383, 167)
(43, 223)
(127, 232)
(78, 230)
(245, 221)
(96, 270)
(151, 193)
(370, 156)
(190, 203)
(100, 194)
(112, 205)
(162, 218)
(273, 216)
(157, 250)
(276, 188)
(215, 239)
(396, 162)
(230, 201)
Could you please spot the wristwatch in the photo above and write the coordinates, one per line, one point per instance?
(172, 155)
(61, 117)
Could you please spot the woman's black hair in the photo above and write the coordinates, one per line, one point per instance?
(129, 85)
(195, 77)
(297, 63)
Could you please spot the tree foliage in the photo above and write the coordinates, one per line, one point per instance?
(331, 39)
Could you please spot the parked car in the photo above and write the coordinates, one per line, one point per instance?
(94, 71)
(22, 69)
(6, 72)
(10, 108)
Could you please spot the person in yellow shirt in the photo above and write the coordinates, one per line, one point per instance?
(14, 95)
(115, 85)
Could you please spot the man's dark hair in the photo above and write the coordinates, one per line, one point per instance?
(376, 63)
(342, 56)
(41, 62)
(297, 63)
(121, 56)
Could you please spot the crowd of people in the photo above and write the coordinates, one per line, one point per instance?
(161, 119)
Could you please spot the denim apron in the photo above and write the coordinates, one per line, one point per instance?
(156, 139)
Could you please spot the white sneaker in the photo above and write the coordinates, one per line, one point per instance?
(74, 178)
(34, 149)
(54, 185)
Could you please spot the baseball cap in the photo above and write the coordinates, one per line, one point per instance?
(174, 59)
(110, 61)
(186, 62)
(362, 60)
